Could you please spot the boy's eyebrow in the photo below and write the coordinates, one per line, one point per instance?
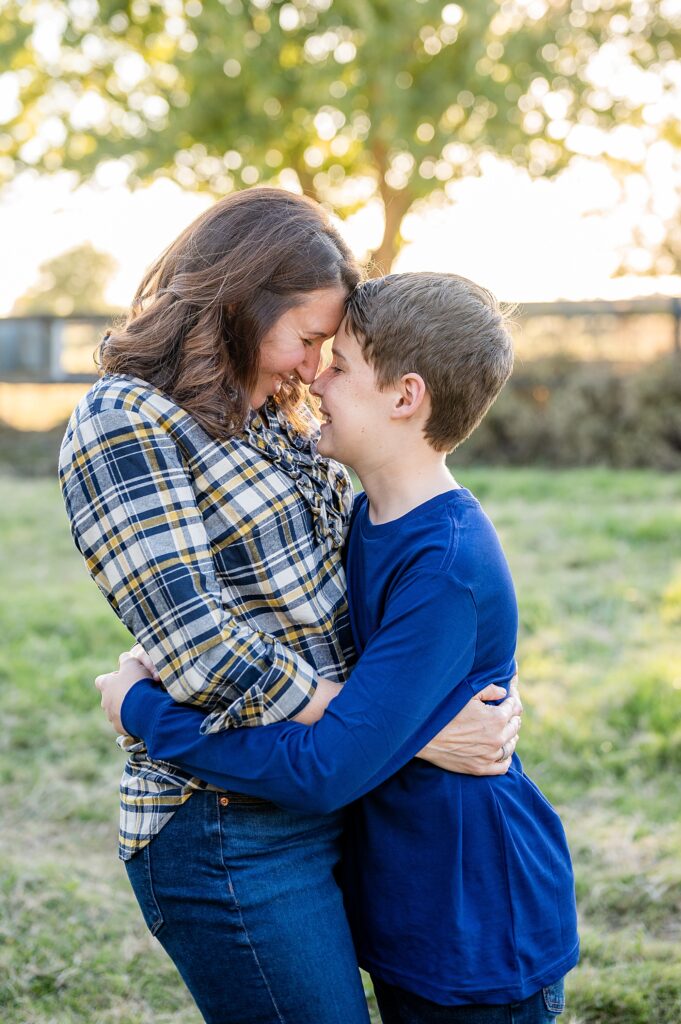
(337, 354)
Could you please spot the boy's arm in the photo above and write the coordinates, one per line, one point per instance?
(321, 698)
(410, 681)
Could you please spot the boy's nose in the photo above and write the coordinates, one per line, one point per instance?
(319, 383)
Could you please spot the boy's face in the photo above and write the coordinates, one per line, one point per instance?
(355, 414)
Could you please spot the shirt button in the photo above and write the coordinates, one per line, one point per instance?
(224, 800)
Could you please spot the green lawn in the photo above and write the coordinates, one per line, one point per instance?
(596, 557)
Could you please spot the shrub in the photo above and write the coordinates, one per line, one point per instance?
(561, 412)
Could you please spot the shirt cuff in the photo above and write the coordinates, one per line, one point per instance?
(279, 696)
(141, 707)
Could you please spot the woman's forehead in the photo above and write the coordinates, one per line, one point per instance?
(320, 312)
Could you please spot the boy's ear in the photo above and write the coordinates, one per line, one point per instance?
(410, 394)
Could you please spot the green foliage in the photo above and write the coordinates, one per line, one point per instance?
(596, 556)
(382, 99)
(566, 413)
(73, 282)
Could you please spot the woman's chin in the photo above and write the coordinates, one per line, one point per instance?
(323, 444)
(268, 390)
(258, 398)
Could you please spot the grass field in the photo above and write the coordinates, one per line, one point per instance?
(597, 560)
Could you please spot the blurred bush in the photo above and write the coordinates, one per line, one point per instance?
(29, 452)
(562, 412)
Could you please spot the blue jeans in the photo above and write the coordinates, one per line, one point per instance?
(398, 1006)
(243, 899)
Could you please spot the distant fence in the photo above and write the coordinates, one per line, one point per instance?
(628, 332)
(47, 349)
(59, 350)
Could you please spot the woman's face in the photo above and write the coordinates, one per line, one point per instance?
(293, 345)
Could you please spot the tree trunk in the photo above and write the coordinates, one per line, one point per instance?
(395, 203)
(306, 179)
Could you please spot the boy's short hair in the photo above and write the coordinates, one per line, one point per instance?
(450, 331)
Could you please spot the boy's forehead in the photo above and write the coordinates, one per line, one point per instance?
(348, 349)
(345, 341)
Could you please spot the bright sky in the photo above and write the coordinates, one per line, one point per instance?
(525, 240)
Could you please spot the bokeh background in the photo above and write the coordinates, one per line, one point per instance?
(533, 145)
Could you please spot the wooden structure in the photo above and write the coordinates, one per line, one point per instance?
(47, 350)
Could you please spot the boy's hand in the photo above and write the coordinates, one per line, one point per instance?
(482, 737)
(113, 687)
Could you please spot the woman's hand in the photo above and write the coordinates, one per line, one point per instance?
(113, 686)
(141, 655)
(482, 737)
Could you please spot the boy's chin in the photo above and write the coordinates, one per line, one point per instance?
(325, 445)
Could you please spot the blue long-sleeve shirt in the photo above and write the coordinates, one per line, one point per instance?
(458, 888)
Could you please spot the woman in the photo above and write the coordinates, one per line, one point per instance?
(214, 529)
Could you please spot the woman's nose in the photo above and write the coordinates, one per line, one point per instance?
(309, 368)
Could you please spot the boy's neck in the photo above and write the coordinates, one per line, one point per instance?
(396, 485)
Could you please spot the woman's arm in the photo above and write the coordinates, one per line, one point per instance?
(135, 519)
(481, 740)
(407, 686)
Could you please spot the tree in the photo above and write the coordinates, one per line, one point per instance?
(361, 98)
(73, 282)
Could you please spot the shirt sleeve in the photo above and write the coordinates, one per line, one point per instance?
(135, 520)
(409, 682)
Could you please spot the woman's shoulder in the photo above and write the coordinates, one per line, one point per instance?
(120, 407)
(115, 392)
(119, 400)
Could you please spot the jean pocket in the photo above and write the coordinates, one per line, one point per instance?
(554, 997)
(139, 875)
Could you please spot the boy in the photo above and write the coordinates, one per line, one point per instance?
(459, 889)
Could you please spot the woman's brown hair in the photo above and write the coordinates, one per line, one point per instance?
(203, 308)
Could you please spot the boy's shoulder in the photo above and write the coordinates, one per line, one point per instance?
(426, 537)
(452, 535)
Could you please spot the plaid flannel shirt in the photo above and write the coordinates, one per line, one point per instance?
(221, 558)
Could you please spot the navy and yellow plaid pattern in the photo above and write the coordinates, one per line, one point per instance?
(207, 552)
